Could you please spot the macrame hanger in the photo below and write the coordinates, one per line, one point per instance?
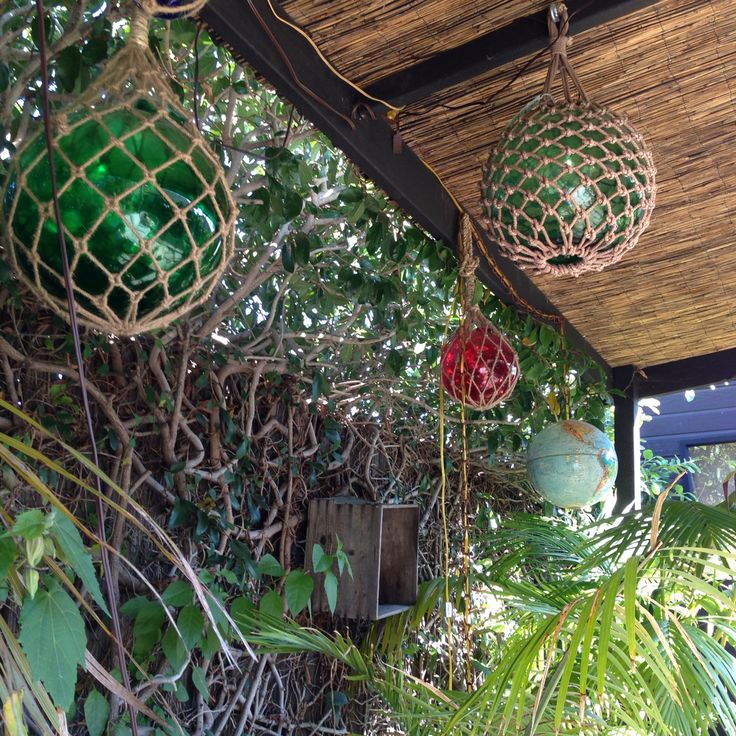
(558, 26)
(139, 27)
(468, 265)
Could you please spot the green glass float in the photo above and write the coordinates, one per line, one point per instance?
(147, 213)
(570, 187)
(572, 464)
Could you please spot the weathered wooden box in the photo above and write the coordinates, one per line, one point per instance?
(381, 542)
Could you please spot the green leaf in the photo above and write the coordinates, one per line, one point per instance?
(269, 565)
(298, 590)
(199, 678)
(210, 645)
(30, 524)
(293, 204)
(147, 628)
(178, 594)
(321, 561)
(630, 584)
(272, 604)
(395, 362)
(96, 713)
(174, 649)
(8, 555)
(69, 541)
(320, 386)
(35, 30)
(53, 638)
(4, 76)
(132, 607)
(301, 249)
(69, 63)
(95, 50)
(331, 589)
(287, 258)
(190, 623)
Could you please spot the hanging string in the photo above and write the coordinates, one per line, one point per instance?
(443, 512)
(467, 265)
(467, 268)
(565, 374)
(466, 533)
(100, 506)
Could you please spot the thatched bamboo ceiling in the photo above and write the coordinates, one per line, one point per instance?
(670, 67)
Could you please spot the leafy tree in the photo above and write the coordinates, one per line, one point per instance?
(312, 370)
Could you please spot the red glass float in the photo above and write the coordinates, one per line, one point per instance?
(479, 366)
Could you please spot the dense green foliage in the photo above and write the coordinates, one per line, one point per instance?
(311, 371)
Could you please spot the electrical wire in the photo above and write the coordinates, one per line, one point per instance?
(74, 325)
(327, 62)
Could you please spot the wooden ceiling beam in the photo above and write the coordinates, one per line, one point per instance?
(516, 40)
(328, 101)
(679, 375)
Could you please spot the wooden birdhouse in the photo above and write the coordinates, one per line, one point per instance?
(381, 542)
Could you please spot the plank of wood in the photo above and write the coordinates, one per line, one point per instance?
(358, 525)
(385, 610)
(399, 549)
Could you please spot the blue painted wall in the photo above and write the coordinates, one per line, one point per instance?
(710, 417)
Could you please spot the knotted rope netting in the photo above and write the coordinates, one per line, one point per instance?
(147, 211)
(479, 366)
(570, 187)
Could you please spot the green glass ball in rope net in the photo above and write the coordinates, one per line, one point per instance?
(147, 213)
(569, 188)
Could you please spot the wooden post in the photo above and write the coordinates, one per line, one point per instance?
(626, 431)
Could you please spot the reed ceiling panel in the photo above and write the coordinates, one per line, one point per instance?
(370, 39)
(671, 68)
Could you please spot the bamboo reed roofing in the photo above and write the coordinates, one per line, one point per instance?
(671, 68)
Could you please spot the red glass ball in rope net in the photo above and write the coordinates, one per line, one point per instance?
(479, 366)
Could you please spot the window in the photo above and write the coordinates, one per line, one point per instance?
(715, 462)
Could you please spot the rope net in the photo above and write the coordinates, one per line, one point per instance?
(147, 212)
(479, 366)
(570, 187)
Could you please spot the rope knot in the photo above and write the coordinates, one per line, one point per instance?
(560, 45)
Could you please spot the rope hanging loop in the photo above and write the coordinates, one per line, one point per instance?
(148, 215)
(560, 41)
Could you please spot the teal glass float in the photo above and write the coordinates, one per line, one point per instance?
(572, 464)
(147, 213)
(570, 187)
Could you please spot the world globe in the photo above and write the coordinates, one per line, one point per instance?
(572, 464)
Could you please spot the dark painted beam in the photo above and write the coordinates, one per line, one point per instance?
(516, 40)
(626, 433)
(368, 143)
(678, 375)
